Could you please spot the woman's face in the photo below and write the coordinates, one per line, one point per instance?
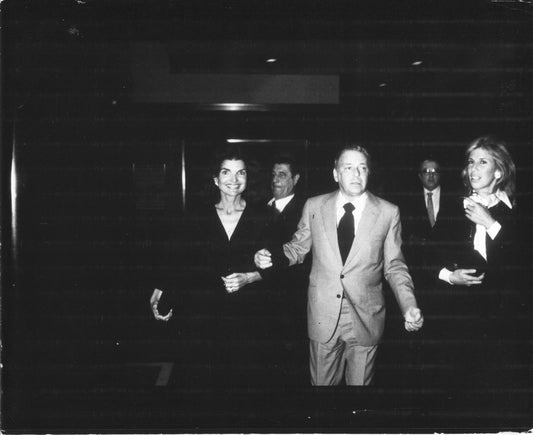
(231, 178)
(481, 169)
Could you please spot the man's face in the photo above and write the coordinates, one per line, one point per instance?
(283, 181)
(352, 173)
(429, 174)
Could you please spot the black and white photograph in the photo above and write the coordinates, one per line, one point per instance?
(266, 216)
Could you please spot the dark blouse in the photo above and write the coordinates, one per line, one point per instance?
(218, 330)
(190, 270)
(218, 256)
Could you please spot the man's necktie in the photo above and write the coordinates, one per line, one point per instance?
(431, 212)
(274, 208)
(345, 231)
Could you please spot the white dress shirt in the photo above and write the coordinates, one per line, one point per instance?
(281, 203)
(435, 198)
(359, 204)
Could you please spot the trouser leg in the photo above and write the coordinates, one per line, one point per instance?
(326, 363)
(359, 364)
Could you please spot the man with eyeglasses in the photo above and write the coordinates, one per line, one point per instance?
(429, 175)
(427, 221)
(420, 216)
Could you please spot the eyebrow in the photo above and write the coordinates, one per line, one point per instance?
(228, 169)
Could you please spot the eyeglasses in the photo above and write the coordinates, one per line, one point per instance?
(430, 171)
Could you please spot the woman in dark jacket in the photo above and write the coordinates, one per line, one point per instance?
(482, 260)
(221, 296)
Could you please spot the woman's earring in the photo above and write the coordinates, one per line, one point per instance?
(497, 175)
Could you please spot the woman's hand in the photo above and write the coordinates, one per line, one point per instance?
(477, 213)
(154, 301)
(466, 277)
(236, 281)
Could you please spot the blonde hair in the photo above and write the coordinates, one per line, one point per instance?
(502, 159)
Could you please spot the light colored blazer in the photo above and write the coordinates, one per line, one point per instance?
(376, 252)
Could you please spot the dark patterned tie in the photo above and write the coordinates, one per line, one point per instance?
(345, 231)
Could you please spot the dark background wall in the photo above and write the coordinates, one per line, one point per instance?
(101, 100)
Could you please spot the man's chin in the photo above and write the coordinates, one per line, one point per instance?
(355, 192)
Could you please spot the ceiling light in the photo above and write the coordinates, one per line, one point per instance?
(271, 60)
(417, 62)
(251, 140)
(382, 85)
(233, 106)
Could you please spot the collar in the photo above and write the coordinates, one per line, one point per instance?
(503, 197)
(357, 202)
(435, 191)
(281, 203)
(498, 196)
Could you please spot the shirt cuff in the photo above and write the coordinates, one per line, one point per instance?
(445, 274)
(494, 229)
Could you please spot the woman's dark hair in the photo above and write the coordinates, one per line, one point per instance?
(502, 159)
(229, 152)
(223, 152)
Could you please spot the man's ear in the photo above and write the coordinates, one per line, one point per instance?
(296, 178)
(335, 175)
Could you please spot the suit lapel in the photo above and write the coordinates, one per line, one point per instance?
(364, 229)
(423, 211)
(329, 217)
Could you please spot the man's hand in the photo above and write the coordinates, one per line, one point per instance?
(413, 319)
(466, 277)
(154, 301)
(263, 259)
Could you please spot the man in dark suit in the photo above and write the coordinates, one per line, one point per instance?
(286, 205)
(422, 213)
(427, 217)
(287, 287)
(355, 239)
(427, 222)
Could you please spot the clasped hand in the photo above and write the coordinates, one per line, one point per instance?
(466, 277)
(235, 281)
(263, 259)
(413, 319)
(478, 213)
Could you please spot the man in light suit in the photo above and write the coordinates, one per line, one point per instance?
(355, 240)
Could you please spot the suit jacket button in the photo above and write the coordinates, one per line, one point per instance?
(342, 276)
(338, 296)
